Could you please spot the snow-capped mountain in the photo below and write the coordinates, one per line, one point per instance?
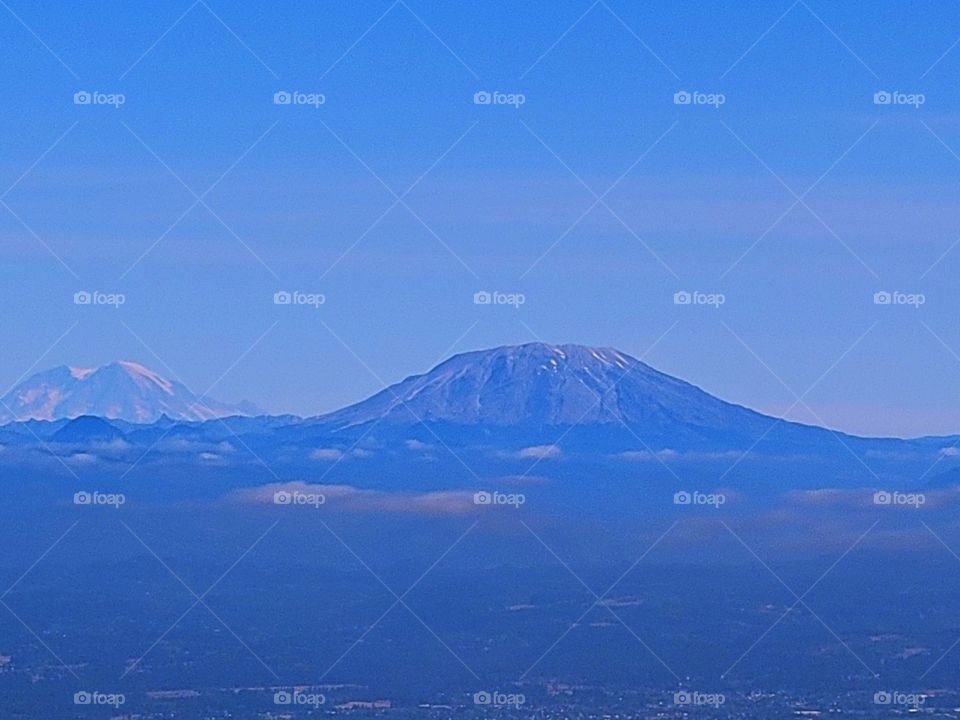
(121, 390)
(550, 385)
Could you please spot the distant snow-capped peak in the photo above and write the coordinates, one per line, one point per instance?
(122, 390)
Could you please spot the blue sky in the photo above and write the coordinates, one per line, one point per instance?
(703, 198)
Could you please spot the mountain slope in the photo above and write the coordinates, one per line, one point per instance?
(539, 385)
(121, 390)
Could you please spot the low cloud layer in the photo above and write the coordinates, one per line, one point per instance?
(349, 498)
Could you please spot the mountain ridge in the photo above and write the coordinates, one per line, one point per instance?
(531, 385)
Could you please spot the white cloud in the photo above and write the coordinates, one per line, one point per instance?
(539, 452)
(326, 454)
(349, 498)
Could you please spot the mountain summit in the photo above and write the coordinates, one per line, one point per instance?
(121, 390)
(538, 385)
